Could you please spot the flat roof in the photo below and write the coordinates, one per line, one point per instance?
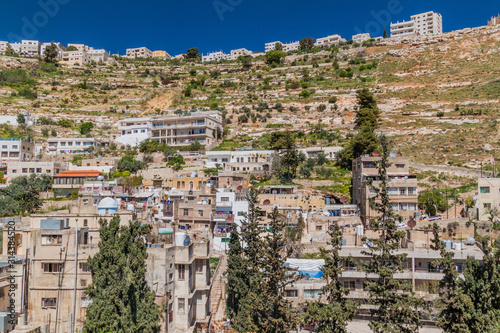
(79, 173)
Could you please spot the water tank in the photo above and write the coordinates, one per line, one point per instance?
(180, 237)
(360, 230)
(344, 242)
(100, 178)
(448, 245)
(459, 246)
(130, 207)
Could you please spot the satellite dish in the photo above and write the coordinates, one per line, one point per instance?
(412, 223)
(393, 154)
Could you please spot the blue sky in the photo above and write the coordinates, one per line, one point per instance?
(213, 25)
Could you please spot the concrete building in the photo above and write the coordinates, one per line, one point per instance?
(492, 22)
(230, 210)
(16, 150)
(215, 56)
(488, 198)
(420, 24)
(72, 58)
(161, 55)
(134, 130)
(5, 46)
(81, 47)
(313, 152)
(360, 38)
(329, 40)
(60, 49)
(17, 169)
(239, 52)
(140, 52)
(292, 46)
(252, 161)
(177, 131)
(271, 46)
(100, 55)
(27, 48)
(71, 145)
(402, 190)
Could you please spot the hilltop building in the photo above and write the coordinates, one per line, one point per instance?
(494, 21)
(329, 40)
(4, 47)
(251, 161)
(360, 38)
(420, 24)
(27, 48)
(161, 55)
(16, 150)
(134, 130)
(140, 52)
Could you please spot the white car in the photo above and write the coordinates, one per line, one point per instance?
(402, 225)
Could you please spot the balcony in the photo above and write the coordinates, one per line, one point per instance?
(223, 217)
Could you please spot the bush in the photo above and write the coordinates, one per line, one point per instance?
(321, 107)
(440, 114)
(305, 94)
(27, 93)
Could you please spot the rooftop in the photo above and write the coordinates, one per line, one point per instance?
(79, 173)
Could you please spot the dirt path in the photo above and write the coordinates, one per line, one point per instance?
(463, 172)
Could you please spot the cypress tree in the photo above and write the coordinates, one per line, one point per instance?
(237, 275)
(121, 299)
(396, 307)
(334, 315)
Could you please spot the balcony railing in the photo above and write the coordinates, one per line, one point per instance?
(227, 217)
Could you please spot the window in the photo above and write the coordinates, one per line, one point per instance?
(49, 303)
(291, 293)
(484, 189)
(38, 170)
(200, 213)
(52, 267)
(319, 228)
(351, 285)
(241, 213)
(14, 171)
(25, 170)
(185, 212)
(395, 206)
(2, 293)
(487, 206)
(181, 272)
(84, 267)
(170, 277)
(312, 293)
(412, 191)
(181, 305)
(85, 223)
(199, 267)
(47, 171)
(83, 283)
(402, 191)
(32, 170)
(51, 239)
(224, 199)
(373, 192)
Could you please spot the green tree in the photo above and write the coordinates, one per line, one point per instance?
(192, 54)
(176, 162)
(50, 54)
(365, 99)
(321, 159)
(128, 163)
(334, 315)
(274, 57)
(20, 119)
(385, 33)
(86, 127)
(71, 48)
(237, 279)
(306, 44)
(278, 46)
(25, 191)
(284, 142)
(396, 309)
(123, 303)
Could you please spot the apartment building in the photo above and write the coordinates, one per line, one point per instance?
(492, 22)
(5, 46)
(182, 130)
(420, 24)
(27, 48)
(360, 38)
(134, 130)
(239, 52)
(100, 55)
(75, 58)
(252, 161)
(329, 40)
(402, 190)
(161, 55)
(313, 152)
(488, 198)
(71, 145)
(16, 150)
(140, 52)
(292, 46)
(81, 47)
(215, 56)
(237, 182)
(60, 48)
(230, 210)
(17, 169)
(291, 196)
(271, 46)
(418, 271)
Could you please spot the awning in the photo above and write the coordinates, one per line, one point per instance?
(165, 231)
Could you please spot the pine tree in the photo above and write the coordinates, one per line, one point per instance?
(334, 315)
(276, 315)
(385, 33)
(237, 275)
(121, 299)
(396, 307)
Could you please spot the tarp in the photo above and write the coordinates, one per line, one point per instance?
(310, 268)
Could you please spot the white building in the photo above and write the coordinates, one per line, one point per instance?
(17, 169)
(71, 145)
(360, 38)
(16, 150)
(312, 152)
(134, 130)
(230, 211)
(241, 161)
(75, 58)
(59, 46)
(329, 40)
(271, 46)
(100, 55)
(5, 46)
(140, 52)
(292, 46)
(215, 56)
(239, 52)
(420, 24)
(27, 48)
(81, 47)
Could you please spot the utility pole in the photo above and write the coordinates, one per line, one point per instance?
(447, 209)
(76, 274)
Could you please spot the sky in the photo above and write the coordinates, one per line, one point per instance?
(214, 25)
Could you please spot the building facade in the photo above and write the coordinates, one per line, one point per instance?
(252, 161)
(27, 48)
(403, 188)
(134, 130)
(140, 52)
(16, 150)
(5, 46)
(492, 22)
(329, 40)
(161, 55)
(71, 145)
(488, 198)
(420, 24)
(360, 38)
(17, 169)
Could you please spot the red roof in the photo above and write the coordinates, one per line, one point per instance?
(79, 173)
